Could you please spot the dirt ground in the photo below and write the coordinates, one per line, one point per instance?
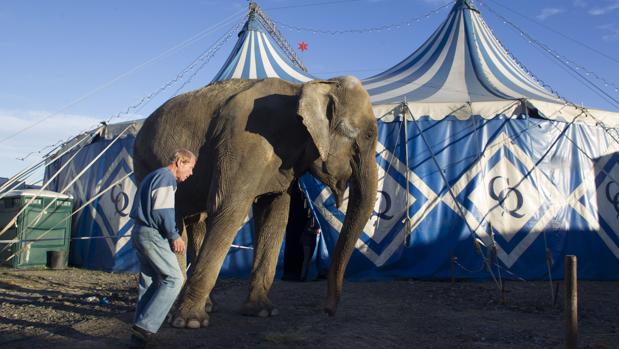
(77, 308)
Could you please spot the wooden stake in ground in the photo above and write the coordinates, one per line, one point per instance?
(571, 303)
(454, 260)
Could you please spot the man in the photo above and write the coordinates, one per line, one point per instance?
(156, 238)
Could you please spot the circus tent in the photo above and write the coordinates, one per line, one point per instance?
(257, 56)
(103, 161)
(483, 171)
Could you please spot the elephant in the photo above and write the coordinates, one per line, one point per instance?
(253, 138)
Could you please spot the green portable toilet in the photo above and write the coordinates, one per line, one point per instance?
(47, 218)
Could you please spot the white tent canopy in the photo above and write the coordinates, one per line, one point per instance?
(463, 69)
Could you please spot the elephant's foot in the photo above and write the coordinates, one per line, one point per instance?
(331, 306)
(209, 307)
(191, 315)
(262, 308)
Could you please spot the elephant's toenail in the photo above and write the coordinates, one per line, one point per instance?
(263, 313)
(205, 323)
(193, 324)
(274, 312)
(178, 323)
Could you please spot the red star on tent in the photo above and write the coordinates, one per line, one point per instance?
(303, 46)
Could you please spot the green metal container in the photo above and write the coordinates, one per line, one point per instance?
(43, 226)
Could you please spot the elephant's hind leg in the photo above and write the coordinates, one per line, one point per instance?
(270, 218)
(221, 227)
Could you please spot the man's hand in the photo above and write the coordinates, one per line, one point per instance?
(178, 245)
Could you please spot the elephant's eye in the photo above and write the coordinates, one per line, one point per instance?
(369, 135)
(347, 130)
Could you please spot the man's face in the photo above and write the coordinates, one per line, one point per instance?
(184, 169)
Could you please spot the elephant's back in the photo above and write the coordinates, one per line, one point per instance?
(181, 122)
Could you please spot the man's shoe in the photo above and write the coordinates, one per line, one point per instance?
(139, 337)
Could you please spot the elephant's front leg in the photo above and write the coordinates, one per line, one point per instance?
(270, 218)
(196, 230)
(193, 231)
(182, 257)
(221, 227)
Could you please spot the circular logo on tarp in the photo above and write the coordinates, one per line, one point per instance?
(387, 200)
(612, 194)
(502, 195)
(120, 200)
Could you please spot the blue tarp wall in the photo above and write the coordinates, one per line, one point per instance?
(518, 194)
(515, 193)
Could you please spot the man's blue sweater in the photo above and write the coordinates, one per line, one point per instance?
(153, 205)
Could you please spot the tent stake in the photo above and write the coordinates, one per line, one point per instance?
(454, 260)
(571, 303)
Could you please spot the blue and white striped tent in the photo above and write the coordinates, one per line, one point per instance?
(461, 61)
(480, 165)
(255, 56)
(103, 161)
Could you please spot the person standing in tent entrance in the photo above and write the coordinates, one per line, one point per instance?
(156, 238)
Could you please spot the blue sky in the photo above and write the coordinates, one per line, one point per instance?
(74, 63)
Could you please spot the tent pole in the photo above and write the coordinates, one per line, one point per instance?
(407, 176)
(40, 215)
(27, 172)
(98, 195)
(14, 220)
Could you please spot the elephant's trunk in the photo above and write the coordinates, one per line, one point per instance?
(362, 196)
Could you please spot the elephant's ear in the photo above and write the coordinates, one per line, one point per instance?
(313, 107)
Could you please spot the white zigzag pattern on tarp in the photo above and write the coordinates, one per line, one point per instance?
(587, 189)
(107, 202)
(377, 228)
(495, 215)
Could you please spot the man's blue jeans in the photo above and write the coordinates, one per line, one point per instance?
(160, 281)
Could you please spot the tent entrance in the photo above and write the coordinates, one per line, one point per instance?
(298, 249)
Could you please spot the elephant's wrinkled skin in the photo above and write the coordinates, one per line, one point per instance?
(253, 137)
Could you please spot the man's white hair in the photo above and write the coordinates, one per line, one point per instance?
(183, 155)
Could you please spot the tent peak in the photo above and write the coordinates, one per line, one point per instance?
(255, 16)
(465, 5)
(461, 61)
(262, 51)
(252, 7)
